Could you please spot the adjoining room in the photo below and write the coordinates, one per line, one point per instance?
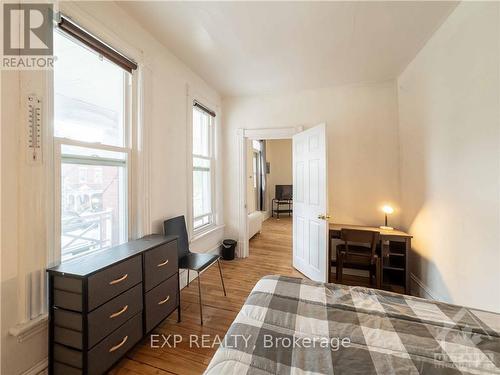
(270, 186)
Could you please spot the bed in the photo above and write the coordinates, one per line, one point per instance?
(296, 326)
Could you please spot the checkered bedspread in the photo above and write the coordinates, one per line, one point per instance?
(296, 326)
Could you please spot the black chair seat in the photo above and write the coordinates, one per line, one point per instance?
(188, 260)
(197, 262)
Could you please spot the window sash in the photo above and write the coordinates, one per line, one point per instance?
(209, 157)
(125, 138)
(89, 160)
(210, 140)
(124, 199)
(206, 174)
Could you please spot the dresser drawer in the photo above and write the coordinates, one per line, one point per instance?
(112, 281)
(161, 301)
(113, 314)
(104, 354)
(116, 345)
(159, 264)
(68, 326)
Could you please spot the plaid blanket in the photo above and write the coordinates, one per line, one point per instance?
(296, 326)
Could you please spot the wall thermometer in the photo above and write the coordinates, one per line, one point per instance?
(34, 129)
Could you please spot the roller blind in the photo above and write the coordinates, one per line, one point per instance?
(83, 36)
(203, 108)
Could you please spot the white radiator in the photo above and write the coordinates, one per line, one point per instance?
(254, 223)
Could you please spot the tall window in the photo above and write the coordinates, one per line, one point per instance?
(91, 130)
(203, 168)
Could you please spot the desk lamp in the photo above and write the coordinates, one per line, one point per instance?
(387, 211)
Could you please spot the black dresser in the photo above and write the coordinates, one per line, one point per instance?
(101, 305)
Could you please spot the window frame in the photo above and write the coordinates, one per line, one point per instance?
(196, 232)
(130, 91)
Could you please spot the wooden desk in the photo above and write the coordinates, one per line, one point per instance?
(395, 246)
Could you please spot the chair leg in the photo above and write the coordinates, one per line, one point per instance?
(187, 283)
(199, 296)
(337, 266)
(221, 278)
(378, 273)
(341, 267)
(178, 300)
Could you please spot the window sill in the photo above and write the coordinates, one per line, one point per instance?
(199, 235)
(26, 330)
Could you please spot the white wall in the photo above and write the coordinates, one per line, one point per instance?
(279, 155)
(25, 195)
(362, 132)
(450, 153)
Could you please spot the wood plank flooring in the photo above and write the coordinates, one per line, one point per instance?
(270, 253)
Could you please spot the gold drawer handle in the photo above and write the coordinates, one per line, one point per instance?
(165, 300)
(116, 347)
(118, 280)
(118, 313)
(162, 264)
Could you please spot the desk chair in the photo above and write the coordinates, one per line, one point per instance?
(188, 260)
(359, 250)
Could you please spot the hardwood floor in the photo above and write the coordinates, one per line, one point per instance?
(270, 253)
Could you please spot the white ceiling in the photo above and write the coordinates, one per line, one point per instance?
(248, 48)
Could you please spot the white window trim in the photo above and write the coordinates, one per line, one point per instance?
(209, 228)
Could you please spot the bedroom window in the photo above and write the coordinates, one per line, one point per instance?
(203, 168)
(92, 106)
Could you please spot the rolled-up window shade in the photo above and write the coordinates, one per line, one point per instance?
(203, 108)
(77, 32)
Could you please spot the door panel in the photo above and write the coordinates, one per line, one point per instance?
(314, 182)
(310, 202)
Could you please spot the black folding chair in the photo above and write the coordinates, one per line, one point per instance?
(188, 260)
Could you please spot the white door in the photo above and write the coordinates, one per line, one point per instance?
(310, 224)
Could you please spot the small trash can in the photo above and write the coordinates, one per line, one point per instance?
(228, 247)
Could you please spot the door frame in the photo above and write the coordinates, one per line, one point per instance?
(253, 134)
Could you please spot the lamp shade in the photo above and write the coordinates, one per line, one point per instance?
(388, 209)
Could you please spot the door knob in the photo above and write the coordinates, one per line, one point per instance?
(324, 217)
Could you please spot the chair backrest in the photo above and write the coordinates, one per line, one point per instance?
(177, 226)
(361, 237)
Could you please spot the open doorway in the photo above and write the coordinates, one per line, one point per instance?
(269, 192)
(307, 206)
(255, 184)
